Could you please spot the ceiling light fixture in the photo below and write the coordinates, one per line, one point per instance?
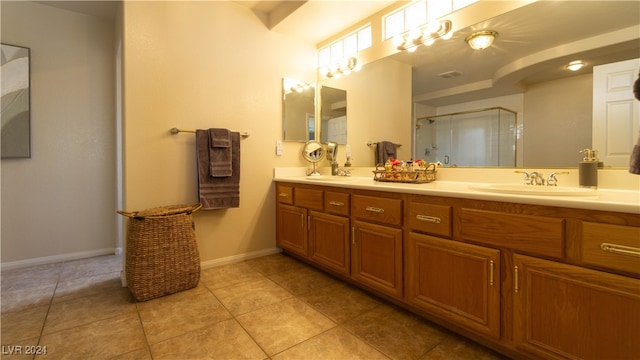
(482, 39)
(575, 65)
(426, 35)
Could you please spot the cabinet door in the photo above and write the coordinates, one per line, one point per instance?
(291, 229)
(456, 281)
(564, 311)
(377, 257)
(329, 241)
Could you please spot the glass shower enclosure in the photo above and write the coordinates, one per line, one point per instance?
(477, 138)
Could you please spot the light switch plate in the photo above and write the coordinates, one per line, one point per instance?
(279, 149)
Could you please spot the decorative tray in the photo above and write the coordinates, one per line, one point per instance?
(415, 176)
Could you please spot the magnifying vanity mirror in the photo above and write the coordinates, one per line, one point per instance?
(313, 152)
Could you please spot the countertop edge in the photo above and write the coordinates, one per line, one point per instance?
(463, 190)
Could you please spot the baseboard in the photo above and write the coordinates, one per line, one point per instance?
(57, 258)
(238, 258)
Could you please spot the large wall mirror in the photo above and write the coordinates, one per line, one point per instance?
(333, 115)
(16, 142)
(299, 110)
(525, 70)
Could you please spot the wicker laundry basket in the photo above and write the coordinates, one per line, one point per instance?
(162, 253)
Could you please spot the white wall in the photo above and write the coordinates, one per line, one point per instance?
(197, 65)
(61, 201)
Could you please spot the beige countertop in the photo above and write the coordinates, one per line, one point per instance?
(624, 197)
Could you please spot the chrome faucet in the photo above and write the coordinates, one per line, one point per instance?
(552, 180)
(532, 178)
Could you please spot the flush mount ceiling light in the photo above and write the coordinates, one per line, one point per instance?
(481, 39)
(575, 65)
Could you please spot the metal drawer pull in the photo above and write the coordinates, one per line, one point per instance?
(433, 219)
(375, 209)
(620, 249)
(284, 195)
(490, 272)
(516, 286)
(336, 203)
(353, 235)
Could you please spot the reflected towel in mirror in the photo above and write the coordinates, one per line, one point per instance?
(384, 151)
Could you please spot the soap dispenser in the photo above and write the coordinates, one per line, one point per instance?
(588, 169)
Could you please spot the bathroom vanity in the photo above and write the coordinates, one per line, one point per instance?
(530, 276)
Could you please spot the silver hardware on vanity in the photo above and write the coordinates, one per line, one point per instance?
(313, 152)
(536, 178)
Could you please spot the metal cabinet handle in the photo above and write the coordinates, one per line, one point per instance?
(353, 235)
(336, 203)
(491, 272)
(516, 285)
(284, 194)
(620, 249)
(375, 209)
(427, 218)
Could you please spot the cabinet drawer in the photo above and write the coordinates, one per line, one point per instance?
(308, 198)
(432, 219)
(382, 210)
(336, 203)
(537, 235)
(285, 194)
(612, 246)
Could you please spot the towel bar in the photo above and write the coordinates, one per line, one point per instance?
(371, 143)
(175, 131)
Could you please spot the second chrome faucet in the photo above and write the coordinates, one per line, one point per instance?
(536, 178)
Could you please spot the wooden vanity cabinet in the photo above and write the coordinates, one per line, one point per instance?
(456, 281)
(377, 246)
(533, 281)
(565, 311)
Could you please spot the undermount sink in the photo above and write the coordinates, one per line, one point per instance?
(518, 189)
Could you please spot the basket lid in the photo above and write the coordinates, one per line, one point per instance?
(168, 210)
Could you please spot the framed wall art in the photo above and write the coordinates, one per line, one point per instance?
(16, 102)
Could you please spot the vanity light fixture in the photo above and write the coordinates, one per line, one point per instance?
(344, 67)
(575, 65)
(482, 39)
(423, 36)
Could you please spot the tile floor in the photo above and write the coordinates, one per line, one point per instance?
(272, 307)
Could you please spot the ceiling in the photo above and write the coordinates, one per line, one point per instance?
(534, 44)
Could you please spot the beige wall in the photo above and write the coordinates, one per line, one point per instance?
(199, 65)
(557, 121)
(60, 203)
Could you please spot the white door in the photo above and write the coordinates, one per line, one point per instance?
(616, 113)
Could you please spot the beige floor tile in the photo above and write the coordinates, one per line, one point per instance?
(102, 339)
(224, 340)
(302, 281)
(21, 299)
(340, 302)
(250, 295)
(90, 267)
(276, 263)
(230, 274)
(336, 343)
(455, 347)
(139, 354)
(87, 286)
(176, 314)
(279, 326)
(395, 332)
(21, 325)
(33, 276)
(87, 309)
